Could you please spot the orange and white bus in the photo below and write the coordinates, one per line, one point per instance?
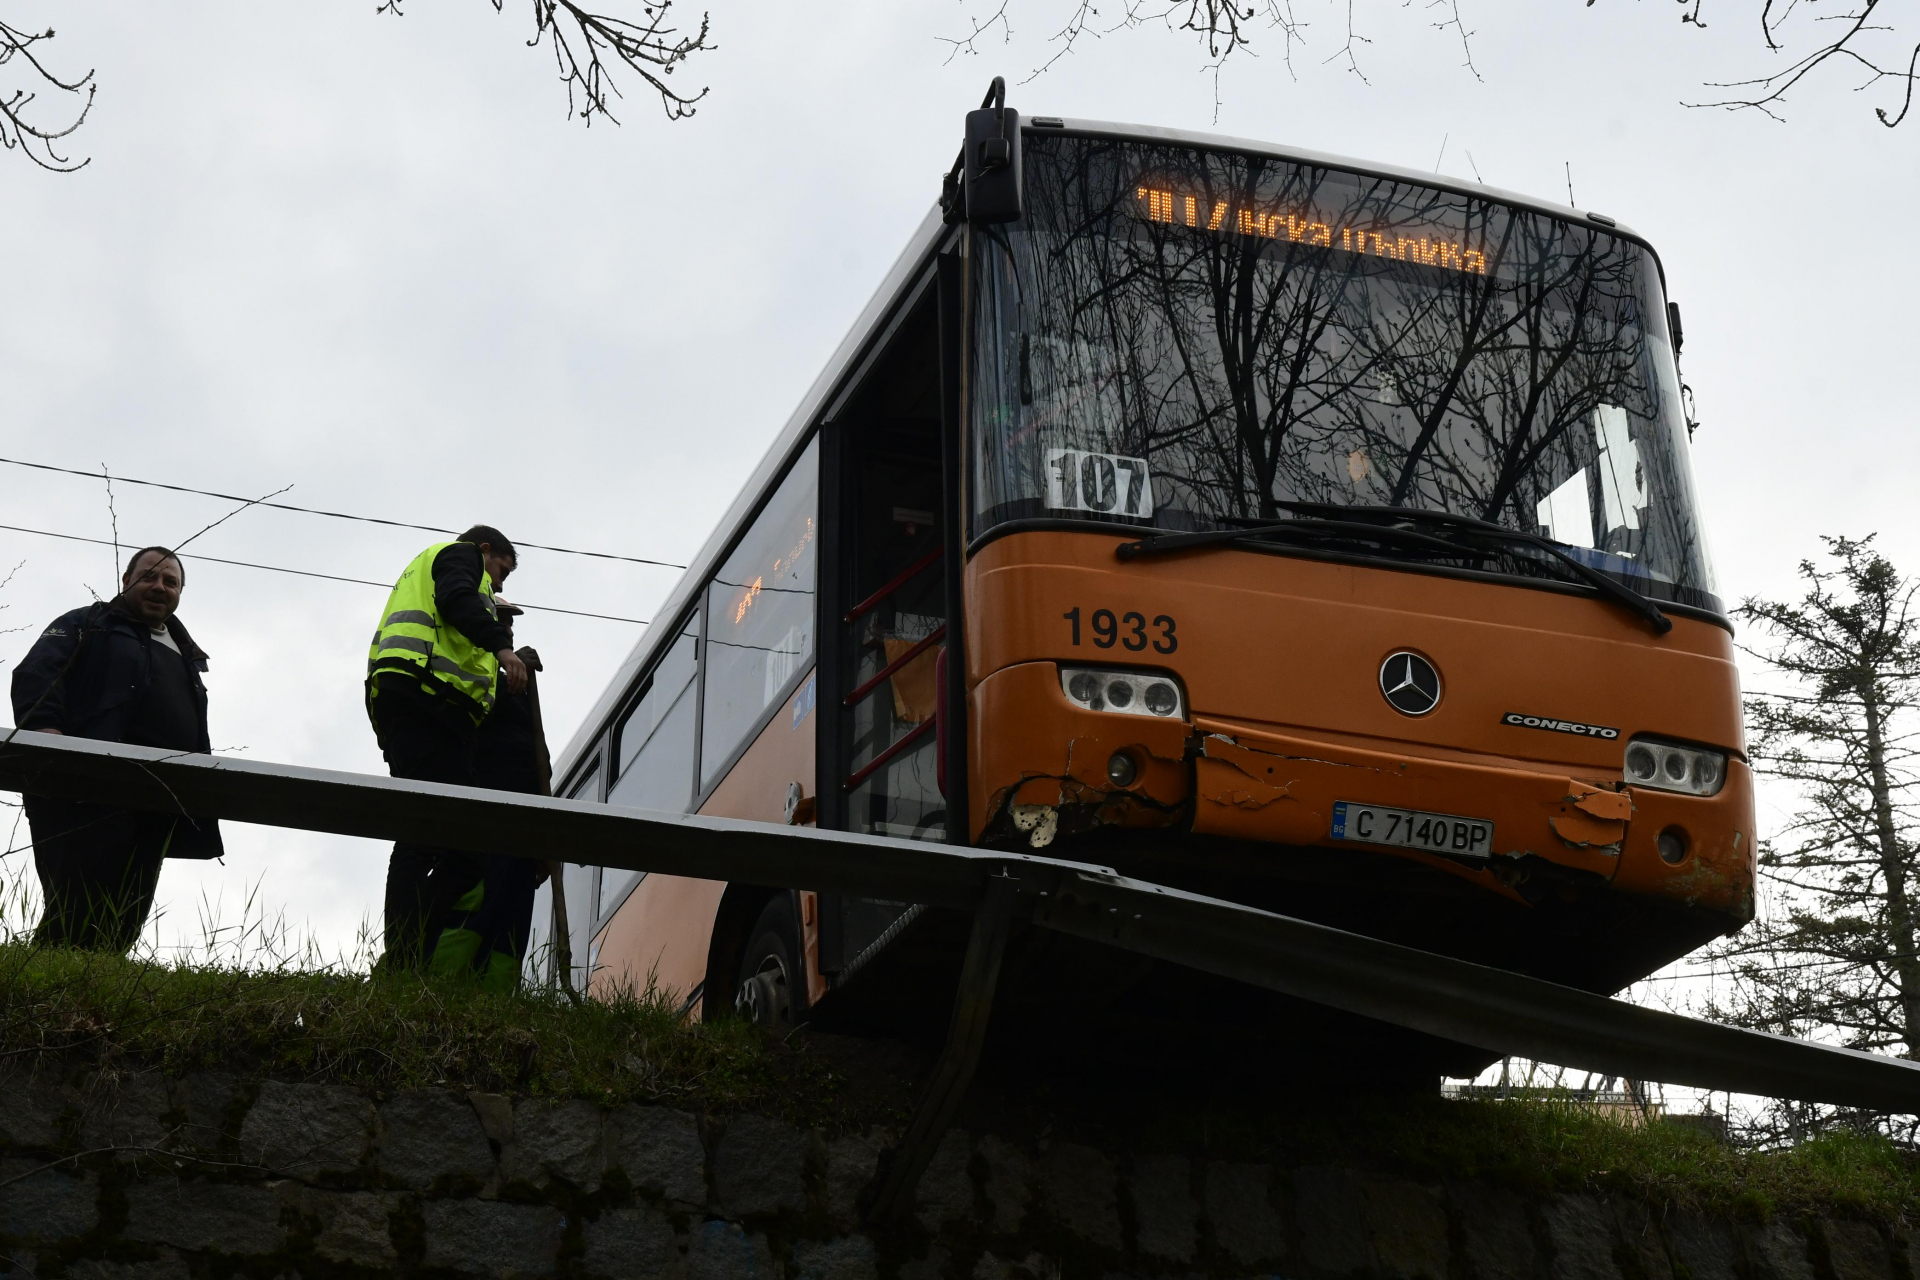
(1292, 529)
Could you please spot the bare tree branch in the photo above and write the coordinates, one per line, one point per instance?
(589, 48)
(17, 132)
(1852, 37)
(1861, 43)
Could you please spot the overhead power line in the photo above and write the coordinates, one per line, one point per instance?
(315, 511)
(309, 573)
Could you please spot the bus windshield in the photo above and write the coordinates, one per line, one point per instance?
(1182, 339)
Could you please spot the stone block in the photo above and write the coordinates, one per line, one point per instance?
(1705, 1246)
(725, 1251)
(848, 1258)
(1495, 1235)
(1239, 1205)
(306, 1130)
(660, 1151)
(1777, 1251)
(556, 1140)
(634, 1243)
(1582, 1235)
(932, 1267)
(238, 1219)
(127, 1112)
(1009, 1183)
(1330, 1211)
(46, 1204)
(496, 1114)
(760, 1167)
(38, 1103)
(1639, 1239)
(1408, 1224)
(1078, 1182)
(1856, 1250)
(487, 1238)
(852, 1164)
(1164, 1208)
(430, 1134)
(353, 1227)
(1035, 1266)
(166, 1265)
(945, 1192)
(205, 1103)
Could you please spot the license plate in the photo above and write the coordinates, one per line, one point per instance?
(1412, 829)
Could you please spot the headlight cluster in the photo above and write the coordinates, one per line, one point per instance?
(1667, 766)
(1130, 693)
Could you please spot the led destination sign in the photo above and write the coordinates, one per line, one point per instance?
(1274, 223)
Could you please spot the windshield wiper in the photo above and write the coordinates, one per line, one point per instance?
(1343, 530)
(1467, 526)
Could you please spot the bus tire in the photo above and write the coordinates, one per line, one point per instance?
(770, 988)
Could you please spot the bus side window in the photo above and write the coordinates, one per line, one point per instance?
(576, 883)
(654, 748)
(760, 617)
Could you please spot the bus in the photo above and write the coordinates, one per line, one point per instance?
(1306, 532)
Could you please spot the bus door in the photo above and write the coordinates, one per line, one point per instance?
(878, 768)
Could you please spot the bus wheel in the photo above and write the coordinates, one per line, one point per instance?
(768, 968)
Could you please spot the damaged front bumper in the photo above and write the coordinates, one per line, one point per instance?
(1215, 777)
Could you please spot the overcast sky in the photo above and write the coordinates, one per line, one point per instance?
(371, 258)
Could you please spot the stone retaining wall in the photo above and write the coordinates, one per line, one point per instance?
(212, 1176)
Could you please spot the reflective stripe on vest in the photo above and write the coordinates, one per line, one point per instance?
(413, 638)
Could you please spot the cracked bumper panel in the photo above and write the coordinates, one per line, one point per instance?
(1719, 866)
(1268, 786)
(1043, 750)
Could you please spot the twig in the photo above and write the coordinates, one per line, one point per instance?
(231, 514)
(113, 518)
(1767, 94)
(583, 43)
(36, 142)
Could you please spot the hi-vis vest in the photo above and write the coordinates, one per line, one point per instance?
(412, 638)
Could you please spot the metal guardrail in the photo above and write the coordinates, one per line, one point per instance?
(1493, 1009)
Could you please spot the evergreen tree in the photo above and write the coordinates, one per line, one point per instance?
(1834, 954)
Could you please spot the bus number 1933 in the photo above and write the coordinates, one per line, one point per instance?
(1129, 630)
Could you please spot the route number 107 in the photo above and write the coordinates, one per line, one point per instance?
(1129, 630)
(1108, 484)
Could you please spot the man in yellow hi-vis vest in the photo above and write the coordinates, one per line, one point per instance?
(438, 658)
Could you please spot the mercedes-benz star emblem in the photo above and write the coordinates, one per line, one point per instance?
(1410, 683)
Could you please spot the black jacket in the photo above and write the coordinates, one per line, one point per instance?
(456, 591)
(510, 751)
(87, 676)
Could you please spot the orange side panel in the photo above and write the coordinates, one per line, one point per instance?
(756, 787)
(658, 938)
(666, 926)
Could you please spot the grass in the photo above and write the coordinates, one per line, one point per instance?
(377, 1032)
(1545, 1145)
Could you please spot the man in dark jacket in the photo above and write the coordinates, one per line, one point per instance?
(486, 930)
(430, 682)
(124, 670)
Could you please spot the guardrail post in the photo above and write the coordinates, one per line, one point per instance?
(972, 1008)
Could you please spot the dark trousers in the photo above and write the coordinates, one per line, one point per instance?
(489, 937)
(429, 740)
(98, 868)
